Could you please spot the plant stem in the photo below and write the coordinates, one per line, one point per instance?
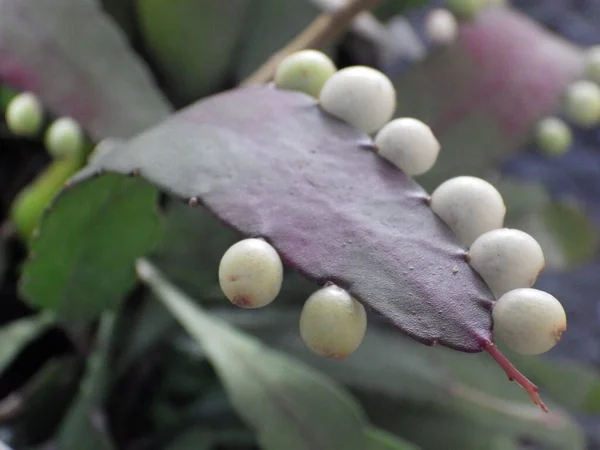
(502, 406)
(325, 28)
(514, 374)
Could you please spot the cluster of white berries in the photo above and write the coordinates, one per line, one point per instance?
(25, 117)
(527, 320)
(581, 106)
(332, 322)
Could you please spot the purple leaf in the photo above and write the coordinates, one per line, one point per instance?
(71, 55)
(271, 164)
(483, 95)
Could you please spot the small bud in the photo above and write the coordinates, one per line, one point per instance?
(332, 323)
(592, 64)
(64, 138)
(507, 259)
(409, 144)
(582, 104)
(441, 26)
(305, 71)
(553, 136)
(251, 273)
(529, 321)
(360, 96)
(466, 9)
(470, 206)
(24, 115)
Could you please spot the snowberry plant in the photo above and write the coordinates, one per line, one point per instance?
(317, 172)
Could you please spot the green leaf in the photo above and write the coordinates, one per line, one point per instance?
(79, 64)
(576, 236)
(286, 403)
(433, 429)
(85, 426)
(467, 387)
(14, 336)
(82, 261)
(382, 440)
(193, 41)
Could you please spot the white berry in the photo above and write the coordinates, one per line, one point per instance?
(507, 259)
(332, 323)
(441, 26)
(409, 144)
(553, 136)
(592, 64)
(24, 115)
(470, 206)
(529, 321)
(305, 71)
(360, 96)
(64, 138)
(251, 273)
(582, 104)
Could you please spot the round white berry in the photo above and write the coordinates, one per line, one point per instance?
(251, 273)
(409, 144)
(470, 206)
(24, 115)
(529, 321)
(305, 71)
(582, 103)
(64, 138)
(360, 96)
(507, 259)
(333, 323)
(553, 136)
(592, 64)
(441, 26)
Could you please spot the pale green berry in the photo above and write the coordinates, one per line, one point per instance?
(470, 206)
(360, 96)
(553, 136)
(441, 26)
(466, 9)
(251, 273)
(332, 323)
(409, 144)
(24, 115)
(582, 103)
(507, 259)
(529, 321)
(64, 138)
(592, 64)
(305, 71)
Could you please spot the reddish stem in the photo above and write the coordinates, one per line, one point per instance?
(514, 374)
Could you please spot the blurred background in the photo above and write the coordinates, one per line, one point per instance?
(483, 96)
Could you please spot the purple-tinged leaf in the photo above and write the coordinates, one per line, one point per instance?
(71, 55)
(270, 163)
(483, 95)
